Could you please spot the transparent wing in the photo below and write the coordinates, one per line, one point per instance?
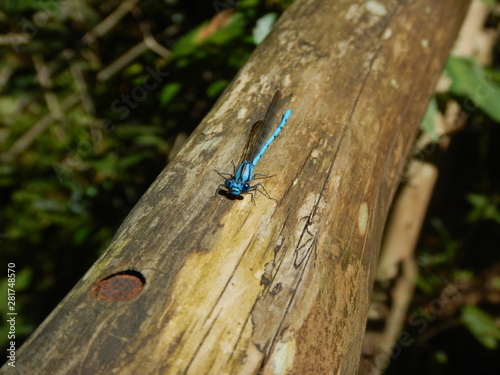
(262, 129)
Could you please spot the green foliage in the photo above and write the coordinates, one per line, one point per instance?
(65, 190)
(216, 88)
(190, 43)
(428, 124)
(23, 281)
(459, 244)
(484, 208)
(169, 91)
(70, 174)
(472, 81)
(481, 325)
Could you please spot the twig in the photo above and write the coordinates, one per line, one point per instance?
(43, 75)
(152, 43)
(110, 21)
(87, 101)
(131, 55)
(27, 138)
(409, 209)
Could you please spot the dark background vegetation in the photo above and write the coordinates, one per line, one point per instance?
(65, 190)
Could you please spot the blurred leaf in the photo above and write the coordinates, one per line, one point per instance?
(169, 91)
(463, 276)
(8, 107)
(192, 41)
(428, 124)
(481, 325)
(263, 27)
(484, 208)
(452, 245)
(131, 132)
(441, 356)
(24, 5)
(216, 88)
(425, 285)
(23, 279)
(234, 29)
(495, 283)
(136, 158)
(81, 234)
(151, 140)
(79, 12)
(7, 175)
(133, 70)
(186, 44)
(106, 167)
(447, 249)
(470, 80)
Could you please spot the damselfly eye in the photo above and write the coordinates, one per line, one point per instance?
(246, 188)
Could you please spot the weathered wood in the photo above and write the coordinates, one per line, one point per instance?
(397, 265)
(280, 286)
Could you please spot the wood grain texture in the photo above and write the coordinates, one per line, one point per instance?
(279, 287)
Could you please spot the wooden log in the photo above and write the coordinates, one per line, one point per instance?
(198, 283)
